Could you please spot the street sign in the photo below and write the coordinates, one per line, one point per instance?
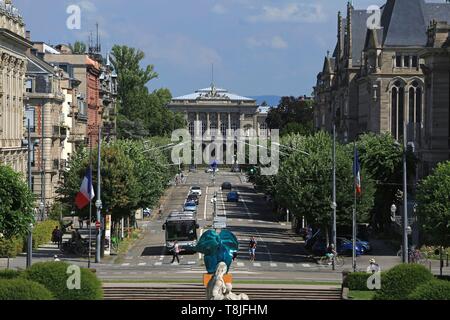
(98, 225)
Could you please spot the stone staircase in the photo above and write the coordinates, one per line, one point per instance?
(197, 292)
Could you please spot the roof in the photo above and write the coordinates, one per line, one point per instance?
(38, 65)
(359, 30)
(213, 93)
(437, 11)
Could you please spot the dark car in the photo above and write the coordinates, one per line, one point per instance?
(364, 244)
(233, 197)
(227, 186)
(193, 197)
(344, 247)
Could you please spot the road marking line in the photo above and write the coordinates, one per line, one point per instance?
(257, 264)
(240, 220)
(305, 265)
(191, 262)
(241, 264)
(274, 265)
(158, 263)
(142, 264)
(125, 264)
(289, 265)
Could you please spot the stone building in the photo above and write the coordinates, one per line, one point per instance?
(374, 81)
(44, 108)
(436, 67)
(88, 110)
(217, 109)
(108, 99)
(13, 61)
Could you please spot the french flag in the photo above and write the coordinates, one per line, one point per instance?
(357, 172)
(86, 193)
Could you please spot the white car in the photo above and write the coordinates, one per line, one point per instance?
(196, 190)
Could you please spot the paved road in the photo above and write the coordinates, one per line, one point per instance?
(280, 253)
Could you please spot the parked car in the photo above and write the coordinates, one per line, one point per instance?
(344, 247)
(196, 190)
(233, 197)
(227, 186)
(364, 244)
(190, 206)
(147, 212)
(193, 197)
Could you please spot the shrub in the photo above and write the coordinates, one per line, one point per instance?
(53, 275)
(402, 280)
(11, 247)
(22, 289)
(9, 274)
(432, 290)
(42, 232)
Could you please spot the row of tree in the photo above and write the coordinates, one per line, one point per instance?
(311, 178)
(134, 175)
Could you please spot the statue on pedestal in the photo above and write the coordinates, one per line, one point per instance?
(218, 250)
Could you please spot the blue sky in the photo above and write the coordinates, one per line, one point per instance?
(257, 46)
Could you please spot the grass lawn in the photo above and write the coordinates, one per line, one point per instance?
(361, 295)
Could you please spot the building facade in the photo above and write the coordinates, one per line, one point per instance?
(374, 81)
(44, 108)
(13, 62)
(218, 111)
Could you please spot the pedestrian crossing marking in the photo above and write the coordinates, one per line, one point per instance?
(142, 264)
(125, 264)
(274, 265)
(191, 262)
(305, 265)
(158, 263)
(241, 264)
(289, 265)
(257, 264)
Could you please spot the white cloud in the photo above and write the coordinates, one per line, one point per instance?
(87, 6)
(275, 42)
(219, 9)
(291, 12)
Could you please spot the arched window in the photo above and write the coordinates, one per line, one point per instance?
(397, 109)
(415, 109)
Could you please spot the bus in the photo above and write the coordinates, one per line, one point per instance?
(181, 227)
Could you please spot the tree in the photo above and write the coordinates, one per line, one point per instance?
(383, 159)
(293, 115)
(304, 183)
(78, 47)
(433, 199)
(131, 179)
(16, 204)
(142, 114)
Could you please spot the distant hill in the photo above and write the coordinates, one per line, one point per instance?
(271, 100)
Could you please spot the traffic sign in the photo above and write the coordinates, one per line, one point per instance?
(98, 225)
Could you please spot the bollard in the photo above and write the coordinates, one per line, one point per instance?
(430, 265)
(447, 260)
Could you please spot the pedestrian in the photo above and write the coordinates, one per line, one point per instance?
(373, 267)
(58, 236)
(55, 235)
(252, 248)
(176, 251)
(55, 258)
(80, 222)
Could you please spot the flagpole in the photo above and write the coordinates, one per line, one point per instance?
(98, 203)
(354, 212)
(90, 202)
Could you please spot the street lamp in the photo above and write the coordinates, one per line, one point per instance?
(30, 246)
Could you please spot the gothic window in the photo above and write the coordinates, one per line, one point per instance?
(415, 107)
(397, 109)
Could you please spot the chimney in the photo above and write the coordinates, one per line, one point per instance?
(28, 35)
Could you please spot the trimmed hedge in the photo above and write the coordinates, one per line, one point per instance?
(53, 275)
(399, 282)
(11, 248)
(432, 290)
(9, 274)
(42, 232)
(22, 289)
(358, 281)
